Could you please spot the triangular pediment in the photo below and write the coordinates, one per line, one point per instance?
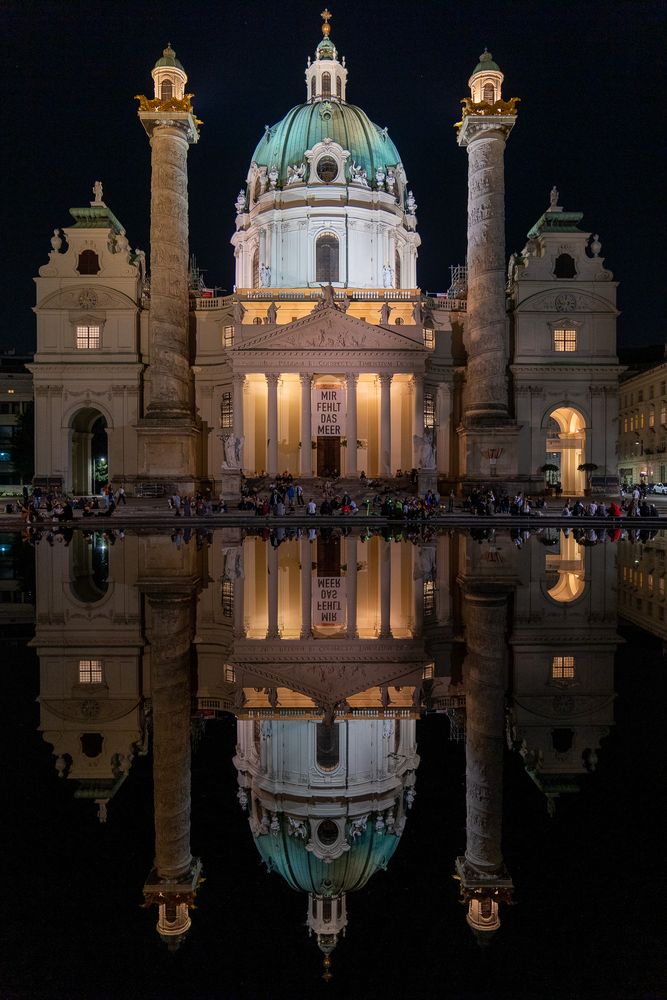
(327, 329)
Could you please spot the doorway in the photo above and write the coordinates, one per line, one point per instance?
(89, 452)
(328, 456)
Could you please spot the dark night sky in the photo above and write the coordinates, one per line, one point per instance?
(590, 121)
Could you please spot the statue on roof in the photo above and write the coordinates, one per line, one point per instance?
(553, 198)
(97, 191)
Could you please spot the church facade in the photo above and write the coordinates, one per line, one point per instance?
(327, 358)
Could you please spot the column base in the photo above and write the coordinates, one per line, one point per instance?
(427, 479)
(489, 454)
(230, 484)
(168, 453)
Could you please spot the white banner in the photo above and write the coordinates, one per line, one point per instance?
(329, 600)
(328, 411)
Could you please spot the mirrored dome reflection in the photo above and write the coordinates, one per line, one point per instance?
(328, 650)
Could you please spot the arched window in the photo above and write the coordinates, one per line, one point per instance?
(89, 262)
(328, 747)
(339, 87)
(166, 90)
(326, 84)
(397, 269)
(255, 269)
(312, 88)
(488, 93)
(326, 258)
(564, 266)
(257, 192)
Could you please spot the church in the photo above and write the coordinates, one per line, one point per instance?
(327, 358)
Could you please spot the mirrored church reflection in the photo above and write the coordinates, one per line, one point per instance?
(328, 648)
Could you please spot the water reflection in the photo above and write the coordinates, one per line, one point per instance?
(327, 650)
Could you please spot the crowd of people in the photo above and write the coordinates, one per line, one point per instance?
(284, 496)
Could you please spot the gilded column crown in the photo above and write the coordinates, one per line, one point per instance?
(485, 99)
(170, 105)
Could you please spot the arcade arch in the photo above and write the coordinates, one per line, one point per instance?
(89, 443)
(566, 448)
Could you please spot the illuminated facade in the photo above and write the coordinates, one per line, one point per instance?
(327, 357)
(642, 449)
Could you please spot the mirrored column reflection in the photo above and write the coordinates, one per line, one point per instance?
(328, 650)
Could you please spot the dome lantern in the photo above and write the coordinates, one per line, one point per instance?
(486, 80)
(326, 77)
(169, 77)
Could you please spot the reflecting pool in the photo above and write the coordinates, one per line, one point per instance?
(241, 764)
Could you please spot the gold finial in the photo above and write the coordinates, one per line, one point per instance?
(326, 17)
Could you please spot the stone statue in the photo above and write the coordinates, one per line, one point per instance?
(97, 192)
(273, 176)
(242, 796)
(140, 260)
(388, 276)
(384, 314)
(233, 563)
(296, 173)
(272, 314)
(297, 828)
(553, 198)
(232, 446)
(358, 826)
(411, 203)
(238, 312)
(380, 177)
(358, 175)
(240, 202)
(56, 240)
(391, 180)
(596, 246)
(327, 301)
(264, 276)
(122, 244)
(417, 312)
(410, 794)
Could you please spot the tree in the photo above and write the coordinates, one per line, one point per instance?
(101, 472)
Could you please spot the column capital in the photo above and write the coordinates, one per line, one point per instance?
(352, 378)
(306, 379)
(385, 379)
(272, 378)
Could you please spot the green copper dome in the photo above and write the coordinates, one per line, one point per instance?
(285, 144)
(301, 869)
(326, 49)
(486, 63)
(168, 59)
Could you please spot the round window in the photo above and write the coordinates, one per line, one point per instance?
(327, 832)
(327, 169)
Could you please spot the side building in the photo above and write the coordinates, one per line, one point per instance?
(642, 450)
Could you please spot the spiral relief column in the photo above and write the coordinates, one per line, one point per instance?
(486, 124)
(168, 431)
(485, 881)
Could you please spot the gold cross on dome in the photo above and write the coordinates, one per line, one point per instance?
(326, 17)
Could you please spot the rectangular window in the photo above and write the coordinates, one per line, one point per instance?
(87, 338)
(661, 587)
(565, 340)
(429, 598)
(226, 411)
(641, 421)
(625, 424)
(227, 336)
(649, 582)
(562, 668)
(429, 410)
(429, 337)
(227, 598)
(428, 673)
(640, 396)
(651, 418)
(230, 673)
(663, 413)
(90, 671)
